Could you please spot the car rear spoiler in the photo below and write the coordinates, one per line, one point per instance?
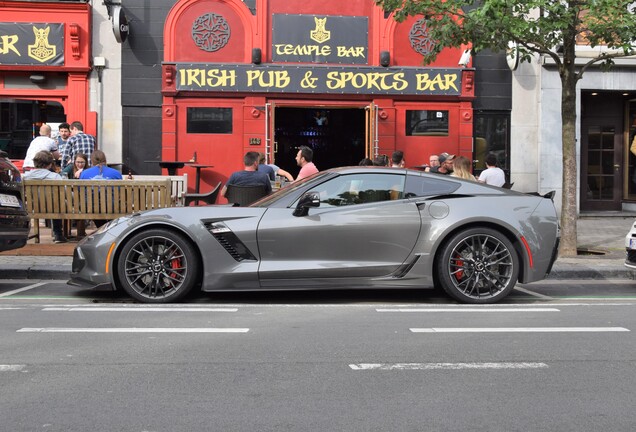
(549, 195)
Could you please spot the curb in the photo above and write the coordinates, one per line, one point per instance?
(575, 271)
(35, 272)
(578, 273)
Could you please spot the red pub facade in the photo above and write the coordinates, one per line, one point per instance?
(45, 63)
(343, 78)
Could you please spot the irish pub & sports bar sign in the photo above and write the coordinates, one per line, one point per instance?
(317, 79)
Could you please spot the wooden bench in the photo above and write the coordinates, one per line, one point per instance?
(93, 199)
(178, 184)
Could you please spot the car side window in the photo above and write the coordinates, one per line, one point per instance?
(419, 186)
(360, 189)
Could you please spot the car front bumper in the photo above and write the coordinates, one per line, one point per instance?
(90, 262)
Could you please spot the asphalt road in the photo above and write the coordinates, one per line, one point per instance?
(558, 356)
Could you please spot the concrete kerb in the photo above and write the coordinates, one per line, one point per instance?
(567, 268)
(25, 271)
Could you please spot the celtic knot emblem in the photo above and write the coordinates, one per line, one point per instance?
(210, 32)
(419, 38)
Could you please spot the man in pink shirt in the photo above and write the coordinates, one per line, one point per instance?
(304, 161)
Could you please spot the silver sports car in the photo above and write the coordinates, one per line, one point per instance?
(357, 227)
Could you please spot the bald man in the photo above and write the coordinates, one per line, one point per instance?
(42, 143)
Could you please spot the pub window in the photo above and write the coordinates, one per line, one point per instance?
(209, 120)
(426, 123)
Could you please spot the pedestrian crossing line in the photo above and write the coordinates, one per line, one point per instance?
(532, 293)
(447, 366)
(519, 330)
(19, 290)
(131, 330)
(468, 310)
(11, 368)
(138, 309)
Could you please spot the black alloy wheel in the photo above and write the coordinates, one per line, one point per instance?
(478, 265)
(157, 266)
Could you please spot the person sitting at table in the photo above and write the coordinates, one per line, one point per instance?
(263, 167)
(74, 170)
(277, 170)
(99, 170)
(304, 159)
(44, 170)
(249, 176)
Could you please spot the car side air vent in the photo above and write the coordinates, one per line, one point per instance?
(230, 242)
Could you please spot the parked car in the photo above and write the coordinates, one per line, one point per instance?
(354, 227)
(14, 221)
(630, 248)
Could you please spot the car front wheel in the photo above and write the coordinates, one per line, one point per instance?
(157, 266)
(478, 265)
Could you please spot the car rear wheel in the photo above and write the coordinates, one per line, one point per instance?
(157, 266)
(478, 265)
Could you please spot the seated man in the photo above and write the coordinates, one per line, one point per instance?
(250, 176)
(43, 162)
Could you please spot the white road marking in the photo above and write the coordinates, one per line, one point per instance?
(19, 290)
(445, 366)
(532, 293)
(139, 309)
(518, 330)
(462, 310)
(11, 368)
(131, 330)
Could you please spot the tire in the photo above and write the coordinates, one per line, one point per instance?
(157, 266)
(478, 265)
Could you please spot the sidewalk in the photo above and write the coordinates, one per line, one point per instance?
(601, 234)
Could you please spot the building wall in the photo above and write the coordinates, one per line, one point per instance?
(141, 58)
(105, 98)
(493, 90)
(536, 159)
(525, 121)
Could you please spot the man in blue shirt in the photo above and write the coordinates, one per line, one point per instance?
(250, 176)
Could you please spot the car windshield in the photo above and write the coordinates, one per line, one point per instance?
(286, 190)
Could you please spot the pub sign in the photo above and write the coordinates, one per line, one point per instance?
(40, 44)
(320, 39)
(317, 79)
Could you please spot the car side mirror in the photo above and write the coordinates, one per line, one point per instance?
(307, 201)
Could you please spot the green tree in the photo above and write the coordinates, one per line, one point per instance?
(536, 27)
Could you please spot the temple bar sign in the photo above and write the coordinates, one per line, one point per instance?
(32, 44)
(317, 79)
(320, 39)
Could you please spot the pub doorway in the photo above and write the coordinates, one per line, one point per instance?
(336, 135)
(20, 121)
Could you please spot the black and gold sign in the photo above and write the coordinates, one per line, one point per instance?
(320, 39)
(318, 79)
(32, 44)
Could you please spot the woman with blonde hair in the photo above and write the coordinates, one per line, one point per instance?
(461, 168)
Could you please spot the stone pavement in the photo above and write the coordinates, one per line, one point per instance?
(602, 235)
